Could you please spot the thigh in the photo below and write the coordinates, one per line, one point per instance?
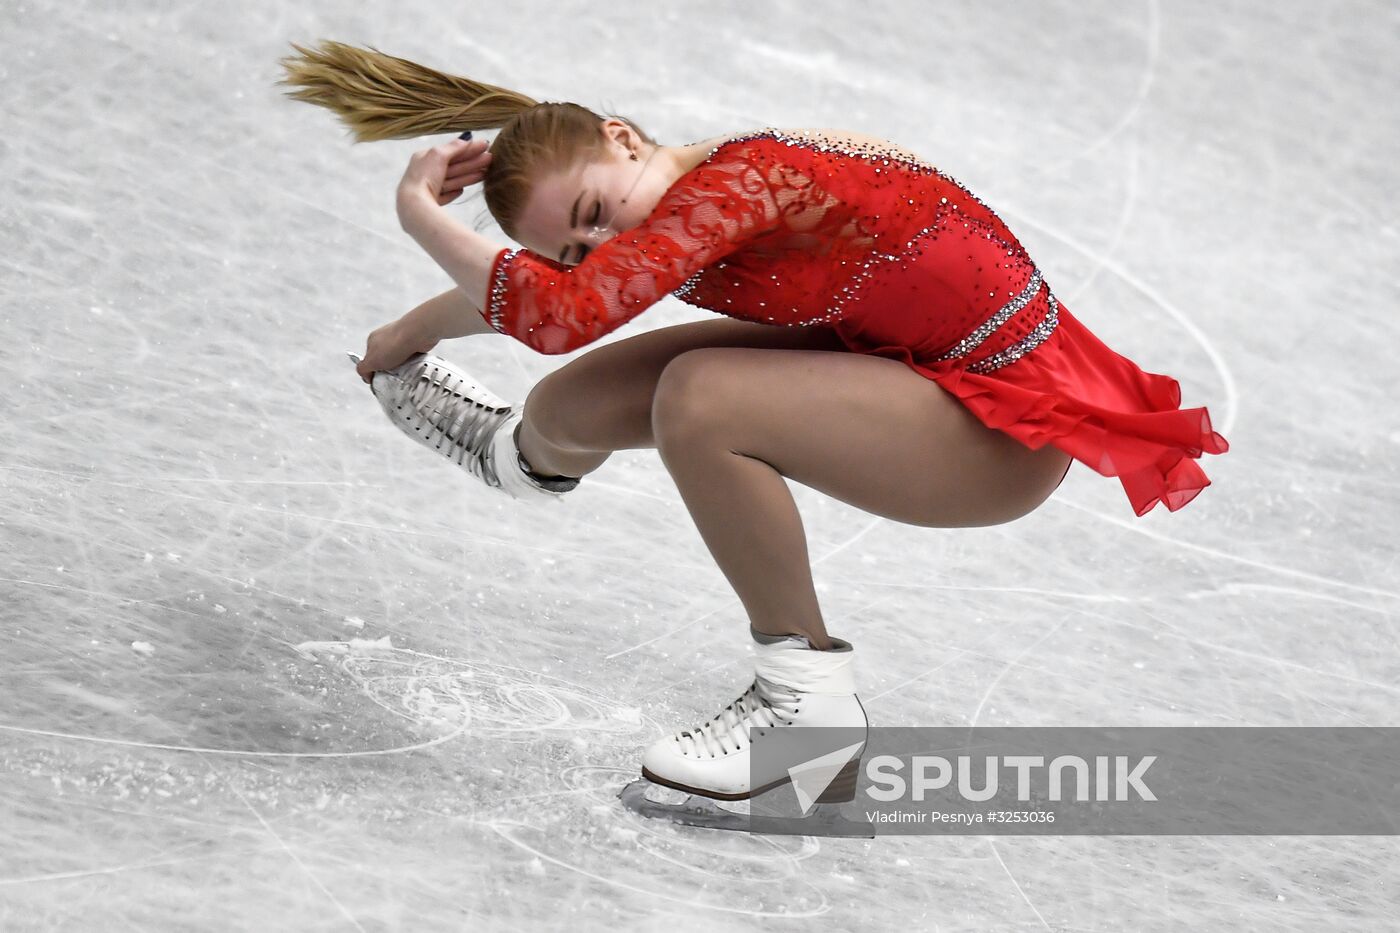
(864, 429)
(602, 399)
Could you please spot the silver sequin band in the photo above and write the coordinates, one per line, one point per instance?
(984, 330)
(1038, 335)
(498, 288)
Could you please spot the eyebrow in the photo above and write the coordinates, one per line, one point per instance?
(573, 224)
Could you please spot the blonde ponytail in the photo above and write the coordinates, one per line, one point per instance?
(381, 96)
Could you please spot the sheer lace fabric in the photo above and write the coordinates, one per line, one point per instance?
(900, 260)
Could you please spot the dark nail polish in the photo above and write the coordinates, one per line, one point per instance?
(466, 135)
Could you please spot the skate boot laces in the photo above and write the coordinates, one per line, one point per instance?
(763, 705)
(445, 411)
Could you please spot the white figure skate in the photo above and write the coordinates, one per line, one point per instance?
(794, 686)
(443, 409)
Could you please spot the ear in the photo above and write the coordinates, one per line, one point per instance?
(618, 131)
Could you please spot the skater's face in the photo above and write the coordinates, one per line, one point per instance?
(570, 213)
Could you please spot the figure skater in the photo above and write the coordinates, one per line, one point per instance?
(885, 340)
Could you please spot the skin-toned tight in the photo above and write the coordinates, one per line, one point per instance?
(732, 407)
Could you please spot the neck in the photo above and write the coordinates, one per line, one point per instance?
(680, 159)
(671, 162)
(666, 164)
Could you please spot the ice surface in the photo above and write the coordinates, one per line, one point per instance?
(189, 464)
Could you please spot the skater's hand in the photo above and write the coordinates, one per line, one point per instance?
(387, 347)
(440, 174)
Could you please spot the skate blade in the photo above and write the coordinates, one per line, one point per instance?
(824, 819)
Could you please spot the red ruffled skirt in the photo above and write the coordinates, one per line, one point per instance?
(1074, 392)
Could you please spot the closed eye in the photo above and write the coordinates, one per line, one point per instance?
(583, 250)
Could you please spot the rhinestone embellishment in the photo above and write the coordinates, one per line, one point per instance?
(984, 330)
(1035, 338)
(497, 299)
(875, 259)
(869, 264)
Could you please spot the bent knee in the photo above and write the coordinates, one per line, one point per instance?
(689, 396)
(557, 408)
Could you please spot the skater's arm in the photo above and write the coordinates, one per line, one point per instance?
(451, 314)
(463, 254)
(714, 210)
(717, 209)
(424, 190)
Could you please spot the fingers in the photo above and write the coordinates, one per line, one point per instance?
(465, 162)
(468, 170)
(455, 153)
(463, 152)
(452, 190)
(459, 149)
(454, 184)
(460, 180)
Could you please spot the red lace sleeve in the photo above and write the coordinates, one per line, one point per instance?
(709, 212)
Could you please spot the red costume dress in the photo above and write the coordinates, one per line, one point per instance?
(901, 261)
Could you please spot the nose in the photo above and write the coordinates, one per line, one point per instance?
(595, 237)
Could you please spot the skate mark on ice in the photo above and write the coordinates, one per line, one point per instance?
(443, 695)
(772, 857)
(641, 843)
(290, 852)
(991, 841)
(630, 491)
(1213, 553)
(1115, 239)
(861, 532)
(1217, 554)
(924, 673)
(429, 691)
(167, 860)
(670, 685)
(135, 480)
(1008, 665)
(1016, 884)
(241, 752)
(798, 890)
(425, 529)
(1145, 80)
(1165, 627)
